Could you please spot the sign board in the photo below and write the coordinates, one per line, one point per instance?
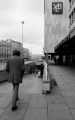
(57, 8)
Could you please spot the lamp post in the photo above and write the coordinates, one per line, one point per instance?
(22, 22)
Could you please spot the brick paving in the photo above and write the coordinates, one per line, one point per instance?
(59, 105)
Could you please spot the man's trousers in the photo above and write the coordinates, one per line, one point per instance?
(15, 94)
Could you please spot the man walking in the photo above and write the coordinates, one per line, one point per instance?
(15, 68)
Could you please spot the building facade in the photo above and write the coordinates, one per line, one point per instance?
(66, 48)
(55, 24)
(7, 47)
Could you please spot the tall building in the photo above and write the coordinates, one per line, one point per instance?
(66, 48)
(56, 23)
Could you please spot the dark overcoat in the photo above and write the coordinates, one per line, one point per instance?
(15, 68)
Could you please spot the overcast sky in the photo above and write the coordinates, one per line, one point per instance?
(12, 12)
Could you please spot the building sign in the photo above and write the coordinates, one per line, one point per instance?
(57, 8)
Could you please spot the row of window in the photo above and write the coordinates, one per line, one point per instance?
(71, 3)
(72, 17)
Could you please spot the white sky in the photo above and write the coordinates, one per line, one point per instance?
(12, 12)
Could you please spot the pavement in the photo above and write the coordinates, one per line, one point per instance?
(33, 105)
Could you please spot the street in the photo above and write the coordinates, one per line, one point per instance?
(33, 105)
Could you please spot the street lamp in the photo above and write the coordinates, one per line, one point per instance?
(22, 22)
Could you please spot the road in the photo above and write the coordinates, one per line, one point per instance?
(33, 105)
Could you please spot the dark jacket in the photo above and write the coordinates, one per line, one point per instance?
(15, 68)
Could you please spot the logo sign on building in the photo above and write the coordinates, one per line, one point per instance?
(57, 8)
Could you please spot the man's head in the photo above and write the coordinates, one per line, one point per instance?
(16, 53)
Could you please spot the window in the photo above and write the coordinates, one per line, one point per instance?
(73, 1)
(73, 16)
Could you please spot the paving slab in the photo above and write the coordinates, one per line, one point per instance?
(4, 101)
(59, 112)
(18, 114)
(1, 111)
(55, 99)
(70, 100)
(36, 114)
(31, 85)
(38, 101)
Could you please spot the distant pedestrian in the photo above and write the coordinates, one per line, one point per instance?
(41, 70)
(15, 68)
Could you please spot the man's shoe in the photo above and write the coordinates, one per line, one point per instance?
(48, 92)
(17, 99)
(14, 108)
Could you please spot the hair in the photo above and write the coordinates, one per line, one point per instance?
(16, 52)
